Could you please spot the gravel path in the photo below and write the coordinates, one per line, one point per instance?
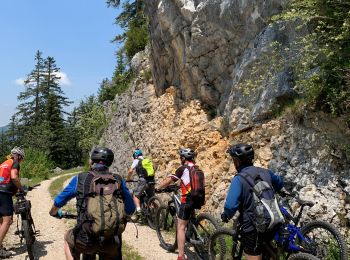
(49, 244)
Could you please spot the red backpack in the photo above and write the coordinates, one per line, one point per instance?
(197, 181)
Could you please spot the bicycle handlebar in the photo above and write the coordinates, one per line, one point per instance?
(69, 215)
(170, 188)
(26, 189)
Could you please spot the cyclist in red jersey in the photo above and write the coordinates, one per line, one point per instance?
(187, 157)
(9, 184)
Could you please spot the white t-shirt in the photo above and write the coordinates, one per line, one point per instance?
(136, 162)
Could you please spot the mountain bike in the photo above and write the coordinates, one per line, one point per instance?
(26, 230)
(315, 239)
(199, 228)
(149, 205)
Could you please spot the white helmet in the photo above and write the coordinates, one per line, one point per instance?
(18, 150)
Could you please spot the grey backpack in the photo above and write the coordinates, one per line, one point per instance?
(267, 214)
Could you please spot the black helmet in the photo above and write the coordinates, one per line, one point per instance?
(188, 153)
(243, 152)
(103, 154)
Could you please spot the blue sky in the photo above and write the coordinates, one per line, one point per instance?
(76, 33)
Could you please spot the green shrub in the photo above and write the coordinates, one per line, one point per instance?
(323, 68)
(136, 39)
(36, 165)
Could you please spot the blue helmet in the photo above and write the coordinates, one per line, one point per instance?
(137, 153)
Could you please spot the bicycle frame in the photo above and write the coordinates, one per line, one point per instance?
(23, 208)
(191, 227)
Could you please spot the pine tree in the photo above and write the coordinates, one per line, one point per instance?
(30, 112)
(73, 150)
(55, 101)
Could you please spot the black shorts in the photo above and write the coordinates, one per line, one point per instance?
(253, 242)
(186, 210)
(6, 204)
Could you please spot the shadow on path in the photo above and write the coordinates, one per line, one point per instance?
(38, 246)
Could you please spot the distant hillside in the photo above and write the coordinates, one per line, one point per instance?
(4, 128)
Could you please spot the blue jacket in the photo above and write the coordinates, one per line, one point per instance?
(236, 195)
(70, 192)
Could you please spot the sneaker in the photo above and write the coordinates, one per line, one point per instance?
(183, 257)
(4, 253)
(138, 212)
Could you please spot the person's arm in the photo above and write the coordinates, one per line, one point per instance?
(233, 198)
(131, 169)
(128, 200)
(67, 194)
(277, 181)
(15, 179)
(166, 182)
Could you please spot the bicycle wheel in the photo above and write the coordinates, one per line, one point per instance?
(205, 225)
(166, 223)
(323, 240)
(29, 237)
(303, 256)
(153, 205)
(224, 245)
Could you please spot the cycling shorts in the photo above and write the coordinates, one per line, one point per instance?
(253, 242)
(6, 204)
(142, 186)
(186, 210)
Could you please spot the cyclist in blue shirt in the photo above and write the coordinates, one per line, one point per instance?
(77, 241)
(240, 198)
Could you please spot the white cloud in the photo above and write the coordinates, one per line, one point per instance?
(64, 80)
(19, 81)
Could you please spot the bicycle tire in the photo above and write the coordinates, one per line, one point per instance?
(166, 227)
(319, 249)
(205, 231)
(29, 237)
(221, 253)
(152, 211)
(303, 256)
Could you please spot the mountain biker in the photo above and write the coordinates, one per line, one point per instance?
(143, 182)
(187, 158)
(9, 184)
(240, 198)
(100, 160)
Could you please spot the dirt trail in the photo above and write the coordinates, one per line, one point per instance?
(49, 244)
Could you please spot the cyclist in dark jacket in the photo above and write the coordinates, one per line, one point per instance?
(101, 159)
(240, 198)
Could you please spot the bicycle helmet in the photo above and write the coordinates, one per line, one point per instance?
(188, 153)
(18, 150)
(102, 154)
(137, 153)
(244, 152)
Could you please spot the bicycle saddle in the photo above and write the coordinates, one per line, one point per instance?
(306, 203)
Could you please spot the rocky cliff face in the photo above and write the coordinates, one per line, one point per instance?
(200, 53)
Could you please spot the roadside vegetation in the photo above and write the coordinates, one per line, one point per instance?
(53, 137)
(57, 185)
